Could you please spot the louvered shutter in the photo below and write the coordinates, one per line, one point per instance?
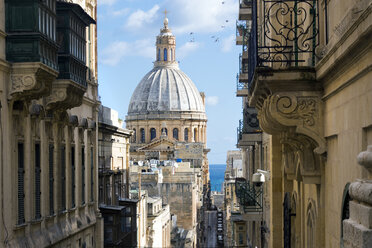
(63, 178)
(82, 176)
(37, 182)
(91, 175)
(73, 177)
(21, 184)
(51, 180)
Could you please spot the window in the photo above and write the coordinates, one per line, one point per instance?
(73, 186)
(51, 180)
(82, 175)
(21, 185)
(142, 132)
(165, 54)
(186, 134)
(134, 135)
(175, 133)
(195, 134)
(158, 55)
(37, 182)
(63, 178)
(153, 133)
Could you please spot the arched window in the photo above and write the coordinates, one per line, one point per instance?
(195, 135)
(311, 225)
(164, 130)
(142, 132)
(175, 133)
(165, 54)
(134, 135)
(158, 55)
(186, 134)
(153, 133)
(171, 54)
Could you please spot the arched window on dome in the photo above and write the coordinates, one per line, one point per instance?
(158, 55)
(165, 54)
(134, 135)
(170, 54)
(153, 133)
(195, 135)
(175, 133)
(142, 133)
(186, 134)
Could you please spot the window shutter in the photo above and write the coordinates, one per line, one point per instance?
(21, 193)
(37, 182)
(63, 178)
(82, 176)
(51, 180)
(91, 175)
(73, 177)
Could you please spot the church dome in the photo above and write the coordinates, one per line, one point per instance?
(166, 90)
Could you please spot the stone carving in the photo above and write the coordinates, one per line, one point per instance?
(30, 80)
(293, 108)
(65, 94)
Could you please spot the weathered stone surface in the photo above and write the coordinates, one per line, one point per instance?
(356, 235)
(361, 214)
(361, 191)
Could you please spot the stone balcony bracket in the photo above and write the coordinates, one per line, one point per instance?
(30, 80)
(65, 94)
(289, 101)
(289, 104)
(365, 159)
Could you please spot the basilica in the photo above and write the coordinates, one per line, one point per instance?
(168, 150)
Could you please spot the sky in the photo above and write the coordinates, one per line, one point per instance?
(206, 51)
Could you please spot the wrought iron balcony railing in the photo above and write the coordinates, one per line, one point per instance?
(250, 197)
(287, 35)
(243, 65)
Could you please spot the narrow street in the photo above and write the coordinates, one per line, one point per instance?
(211, 228)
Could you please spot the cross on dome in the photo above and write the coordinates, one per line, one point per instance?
(165, 19)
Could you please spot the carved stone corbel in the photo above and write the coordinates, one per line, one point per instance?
(299, 111)
(65, 94)
(30, 80)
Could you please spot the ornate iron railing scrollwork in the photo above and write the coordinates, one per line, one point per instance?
(288, 37)
(250, 197)
(240, 85)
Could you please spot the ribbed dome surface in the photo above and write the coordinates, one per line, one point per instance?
(163, 89)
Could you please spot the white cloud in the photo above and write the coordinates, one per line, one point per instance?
(106, 2)
(120, 12)
(186, 49)
(117, 50)
(228, 43)
(140, 17)
(207, 16)
(211, 100)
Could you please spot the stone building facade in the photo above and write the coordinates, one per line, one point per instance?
(49, 135)
(310, 84)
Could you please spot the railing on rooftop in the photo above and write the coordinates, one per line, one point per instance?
(250, 197)
(240, 85)
(287, 35)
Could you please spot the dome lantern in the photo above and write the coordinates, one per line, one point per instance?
(165, 46)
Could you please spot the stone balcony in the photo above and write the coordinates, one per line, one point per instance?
(30, 80)
(65, 94)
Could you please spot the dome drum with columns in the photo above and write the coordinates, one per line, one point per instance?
(166, 100)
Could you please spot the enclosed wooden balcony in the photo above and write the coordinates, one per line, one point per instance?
(31, 46)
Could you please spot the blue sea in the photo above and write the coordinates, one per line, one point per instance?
(217, 173)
